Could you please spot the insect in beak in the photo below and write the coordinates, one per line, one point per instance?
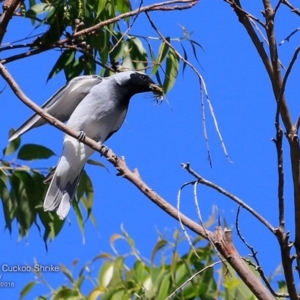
(158, 92)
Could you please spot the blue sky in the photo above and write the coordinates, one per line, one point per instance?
(157, 139)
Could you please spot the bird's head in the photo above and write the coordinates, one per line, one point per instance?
(137, 82)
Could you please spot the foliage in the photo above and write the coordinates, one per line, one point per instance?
(130, 276)
(103, 50)
(22, 190)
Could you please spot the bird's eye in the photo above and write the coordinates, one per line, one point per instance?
(144, 77)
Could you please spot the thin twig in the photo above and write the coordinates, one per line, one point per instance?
(287, 39)
(229, 195)
(192, 277)
(246, 13)
(293, 8)
(258, 267)
(201, 81)
(288, 71)
(179, 217)
(277, 6)
(127, 30)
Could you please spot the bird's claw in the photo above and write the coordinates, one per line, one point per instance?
(81, 136)
(104, 149)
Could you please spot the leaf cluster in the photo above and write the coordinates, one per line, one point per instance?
(22, 190)
(167, 275)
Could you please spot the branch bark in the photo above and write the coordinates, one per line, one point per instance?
(9, 7)
(273, 67)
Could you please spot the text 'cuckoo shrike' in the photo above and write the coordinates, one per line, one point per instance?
(96, 106)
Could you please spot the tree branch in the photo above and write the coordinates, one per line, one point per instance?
(222, 240)
(253, 254)
(279, 150)
(229, 195)
(9, 8)
(162, 6)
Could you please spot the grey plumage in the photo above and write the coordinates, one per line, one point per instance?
(99, 114)
(62, 103)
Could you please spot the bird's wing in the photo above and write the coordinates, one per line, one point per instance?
(62, 104)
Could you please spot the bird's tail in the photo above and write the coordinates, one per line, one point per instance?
(34, 121)
(61, 192)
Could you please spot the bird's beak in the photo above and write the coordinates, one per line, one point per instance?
(157, 91)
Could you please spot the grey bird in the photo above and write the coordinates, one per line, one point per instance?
(98, 115)
(62, 103)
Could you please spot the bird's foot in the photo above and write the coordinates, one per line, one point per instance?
(81, 136)
(104, 149)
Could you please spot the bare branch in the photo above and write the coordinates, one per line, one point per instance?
(293, 9)
(285, 248)
(238, 8)
(288, 71)
(229, 195)
(287, 39)
(223, 242)
(279, 150)
(258, 267)
(277, 6)
(272, 66)
(9, 7)
(179, 217)
(242, 16)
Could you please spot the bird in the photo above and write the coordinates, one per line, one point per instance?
(100, 112)
(62, 103)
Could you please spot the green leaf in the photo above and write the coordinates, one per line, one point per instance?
(85, 188)
(193, 43)
(172, 66)
(140, 271)
(65, 293)
(31, 3)
(158, 246)
(175, 261)
(95, 293)
(135, 55)
(181, 274)
(124, 6)
(79, 219)
(37, 9)
(67, 272)
(74, 68)
(196, 43)
(28, 287)
(106, 274)
(164, 287)
(33, 151)
(185, 57)
(96, 163)
(7, 203)
(52, 224)
(13, 145)
(101, 6)
(119, 49)
(63, 61)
